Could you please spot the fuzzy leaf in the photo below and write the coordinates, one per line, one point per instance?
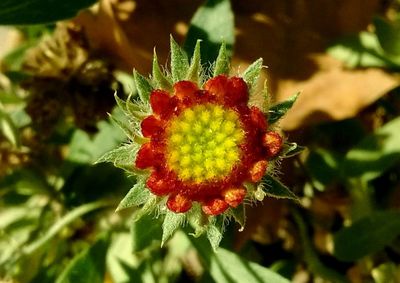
(239, 214)
(8, 128)
(122, 125)
(366, 236)
(215, 232)
(195, 65)
(179, 62)
(279, 110)
(28, 12)
(291, 149)
(276, 189)
(122, 157)
(159, 80)
(136, 196)
(144, 231)
(222, 64)
(143, 86)
(252, 73)
(148, 208)
(172, 221)
(87, 266)
(213, 23)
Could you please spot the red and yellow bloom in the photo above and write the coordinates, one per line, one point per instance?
(205, 144)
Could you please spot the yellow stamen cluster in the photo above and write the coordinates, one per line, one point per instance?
(203, 142)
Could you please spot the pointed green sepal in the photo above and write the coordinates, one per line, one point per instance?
(143, 86)
(252, 73)
(149, 206)
(195, 65)
(214, 232)
(136, 196)
(239, 214)
(179, 62)
(274, 188)
(222, 64)
(160, 81)
(291, 149)
(277, 111)
(172, 222)
(122, 157)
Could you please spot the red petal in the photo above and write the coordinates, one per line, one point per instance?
(258, 118)
(159, 101)
(185, 90)
(272, 142)
(237, 92)
(234, 196)
(258, 170)
(148, 156)
(218, 86)
(179, 203)
(150, 125)
(159, 184)
(215, 207)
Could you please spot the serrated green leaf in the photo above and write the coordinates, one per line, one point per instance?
(172, 222)
(136, 196)
(128, 131)
(143, 86)
(148, 207)
(213, 23)
(88, 266)
(29, 12)
(279, 110)
(222, 63)
(239, 214)
(388, 34)
(366, 236)
(179, 62)
(274, 188)
(195, 65)
(159, 80)
(145, 231)
(374, 154)
(252, 73)
(291, 149)
(215, 232)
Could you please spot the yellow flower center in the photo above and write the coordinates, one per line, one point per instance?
(203, 142)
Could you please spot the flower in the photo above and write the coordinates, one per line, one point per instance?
(204, 144)
(199, 147)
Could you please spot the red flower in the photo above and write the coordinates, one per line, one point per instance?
(204, 144)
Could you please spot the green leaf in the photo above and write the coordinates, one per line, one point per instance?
(276, 189)
(179, 62)
(62, 223)
(122, 157)
(8, 128)
(213, 23)
(215, 232)
(279, 110)
(143, 86)
(88, 266)
(222, 64)
(252, 73)
(172, 221)
(159, 79)
(28, 12)
(386, 273)
(291, 149)
(388, 34)
(136, 196)
(362, 50)
(195, 65)
(375, 154)
(225, 266)
(367, 236)
(144, 231)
